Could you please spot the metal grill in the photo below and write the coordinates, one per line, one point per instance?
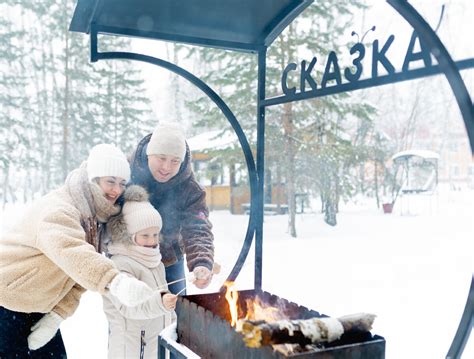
(204, 327)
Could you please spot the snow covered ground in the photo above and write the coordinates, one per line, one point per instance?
(412, 270)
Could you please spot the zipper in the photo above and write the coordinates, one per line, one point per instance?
(142, 344)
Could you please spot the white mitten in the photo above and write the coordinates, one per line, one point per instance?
(44, 330)
(129, 290)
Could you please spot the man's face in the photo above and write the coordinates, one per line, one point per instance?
(163, 167)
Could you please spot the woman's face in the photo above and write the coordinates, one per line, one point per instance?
(148, 237)
(113, 187)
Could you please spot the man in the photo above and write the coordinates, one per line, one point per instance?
(161, 163)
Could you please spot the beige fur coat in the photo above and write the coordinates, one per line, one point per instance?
(46, 262)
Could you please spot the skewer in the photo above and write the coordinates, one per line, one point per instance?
(176, 281)
(181, 291)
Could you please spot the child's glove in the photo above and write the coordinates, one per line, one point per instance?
(128, 290)
(169, 301)
(202, 277)
(44, 330)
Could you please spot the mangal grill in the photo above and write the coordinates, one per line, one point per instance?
(204, 326)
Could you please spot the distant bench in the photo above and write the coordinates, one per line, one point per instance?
(268, 208)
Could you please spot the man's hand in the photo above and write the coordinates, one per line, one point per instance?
(169, 301)
(202, 277)
(44, 330)
(129, 290)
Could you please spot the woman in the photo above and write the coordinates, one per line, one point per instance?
(52, 256)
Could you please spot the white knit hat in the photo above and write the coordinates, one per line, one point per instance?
(167, 139)
(107, 160)
(140, 215)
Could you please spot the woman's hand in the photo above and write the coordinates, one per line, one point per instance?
(169, 301)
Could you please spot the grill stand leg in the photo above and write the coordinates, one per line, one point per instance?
(167, 344)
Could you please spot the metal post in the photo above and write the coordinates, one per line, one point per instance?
(94, 51)
(262, 54)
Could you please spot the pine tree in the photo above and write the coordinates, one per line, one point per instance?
(13, 104)
(59, 104)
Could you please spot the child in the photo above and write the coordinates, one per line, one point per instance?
(133, 247)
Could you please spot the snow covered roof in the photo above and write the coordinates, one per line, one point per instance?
(429, 155)
(214, 140)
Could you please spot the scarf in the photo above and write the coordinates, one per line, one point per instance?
(90, 200)
(149, 257)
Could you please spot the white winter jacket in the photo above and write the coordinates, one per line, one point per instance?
(133, 331)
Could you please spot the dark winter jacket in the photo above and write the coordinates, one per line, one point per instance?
(182, 205)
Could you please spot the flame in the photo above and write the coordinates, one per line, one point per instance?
(256, 309)
(232, 296)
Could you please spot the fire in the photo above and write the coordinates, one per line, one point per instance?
(232, 296)
(256, 309)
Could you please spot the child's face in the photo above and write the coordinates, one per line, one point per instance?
(148, 237)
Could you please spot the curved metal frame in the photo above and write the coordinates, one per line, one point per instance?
(464, 328)
(254, 188)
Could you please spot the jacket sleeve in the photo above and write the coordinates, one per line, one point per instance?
(68, 305)
(61, 238)
(196, 229)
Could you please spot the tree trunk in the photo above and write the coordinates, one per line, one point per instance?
(5, 186)
(288, 127)
(65, 117)
(376, 184)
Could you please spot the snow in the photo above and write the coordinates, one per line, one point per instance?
(420, 153)
(412, 271)
(215, 140)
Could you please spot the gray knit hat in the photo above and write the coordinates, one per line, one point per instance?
(107, 160)
(167, 139)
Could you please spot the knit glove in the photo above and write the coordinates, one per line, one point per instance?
(202, 277)
(129, 290)
(44, 330)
